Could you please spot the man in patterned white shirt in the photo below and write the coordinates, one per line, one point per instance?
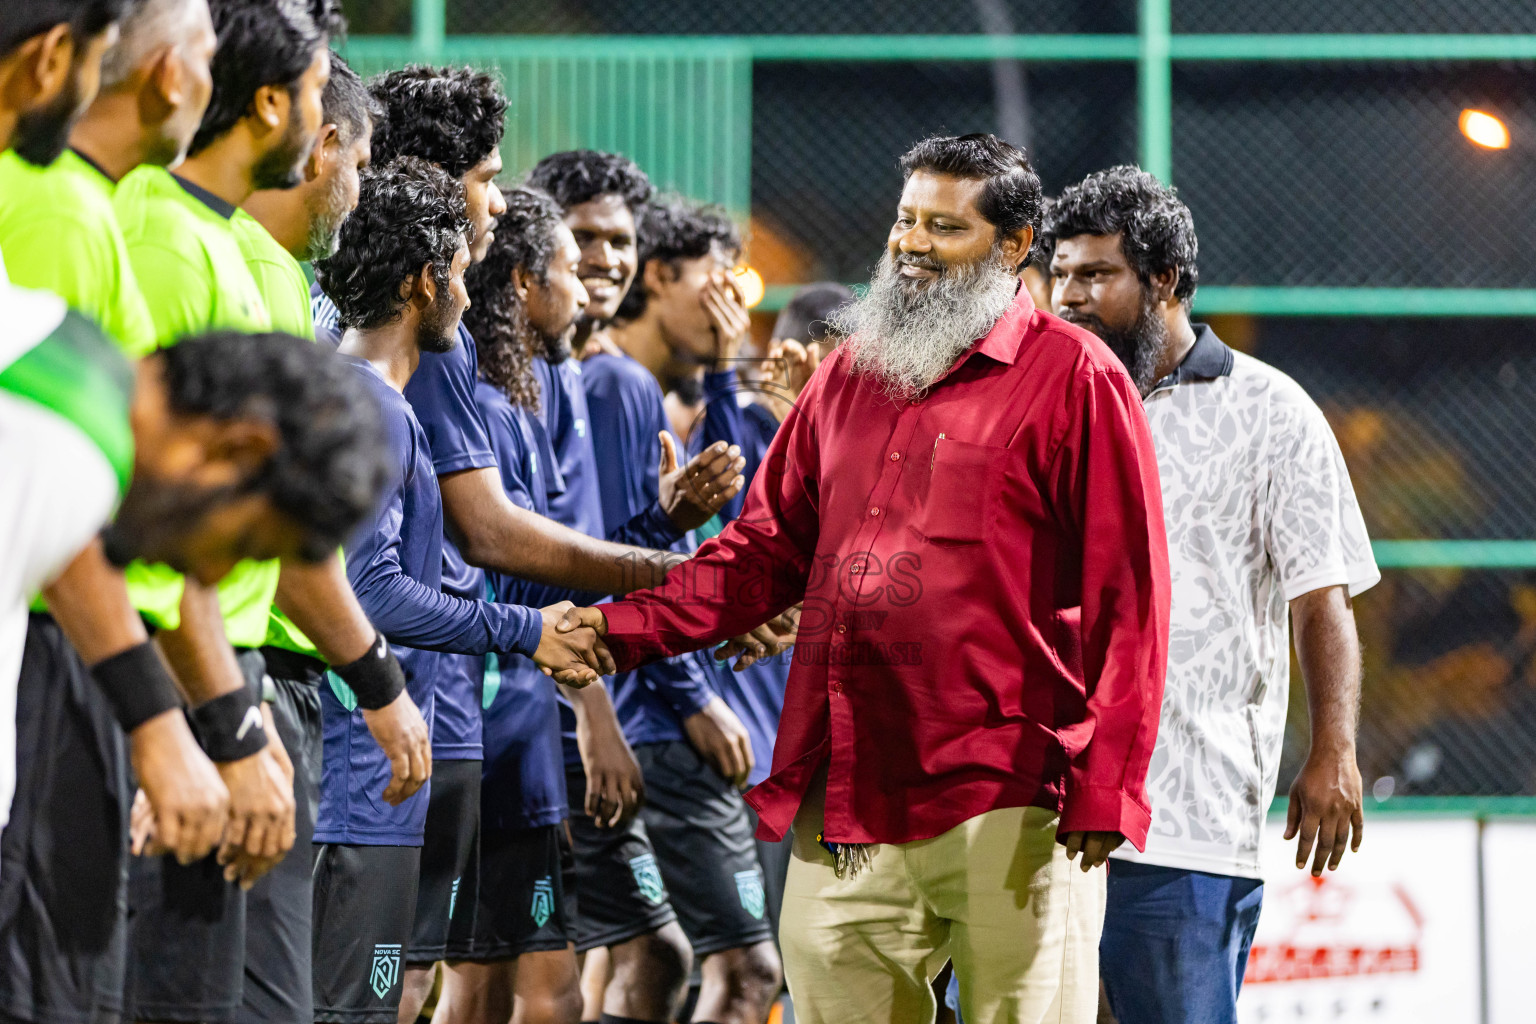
(1263, 529)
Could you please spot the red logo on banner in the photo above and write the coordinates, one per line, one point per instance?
(1326, 940)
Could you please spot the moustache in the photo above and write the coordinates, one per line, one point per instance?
(1085, 320)
(922, 262)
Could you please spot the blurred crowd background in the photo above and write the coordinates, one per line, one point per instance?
(1350, 234)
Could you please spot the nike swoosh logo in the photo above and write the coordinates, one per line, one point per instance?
(251, 720)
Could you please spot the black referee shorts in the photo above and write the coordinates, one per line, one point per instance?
(278, 938)
(63, 855)
(186, 929)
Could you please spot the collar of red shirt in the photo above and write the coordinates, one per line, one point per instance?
(1003, 340)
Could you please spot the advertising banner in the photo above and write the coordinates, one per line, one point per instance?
(1389, 938)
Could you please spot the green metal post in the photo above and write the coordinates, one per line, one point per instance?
(428, 27)
(1155, 85)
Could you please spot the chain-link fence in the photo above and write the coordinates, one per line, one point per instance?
(1435, 418)
(1340, 174)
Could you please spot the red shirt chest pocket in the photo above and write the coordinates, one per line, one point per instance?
(964, 486)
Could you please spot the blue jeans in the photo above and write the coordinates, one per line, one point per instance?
(1175, 943)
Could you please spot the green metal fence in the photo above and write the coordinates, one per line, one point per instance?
(1436, 415)
(682, 106)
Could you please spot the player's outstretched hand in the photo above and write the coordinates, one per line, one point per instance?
(185, 802)
(1095, 847)
(720, 738)
(691, 495)
(402, 734)
(571, 649)
(1325, 806)
(260, 829)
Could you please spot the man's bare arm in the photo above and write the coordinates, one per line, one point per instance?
(187, 800)
(1326, 798)
(261, 826)
(496, 534)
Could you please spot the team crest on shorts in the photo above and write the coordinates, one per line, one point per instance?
(749, 886)
(386, 969)
(648, 878)
(543, 901)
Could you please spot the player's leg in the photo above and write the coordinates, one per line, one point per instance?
(365, 907)
(449, 845)
(861, 947)
(186, 928)
(1024, 920)
(622, 907)
(1175, 942)
(278, 936)
(521, 964)
(702, 833)
(63, 854)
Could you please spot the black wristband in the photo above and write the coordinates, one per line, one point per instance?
(376, 677)
(137, 684)
(230, 727)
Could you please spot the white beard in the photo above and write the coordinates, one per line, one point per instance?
(907, 334)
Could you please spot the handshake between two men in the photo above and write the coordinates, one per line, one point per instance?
(571, 649)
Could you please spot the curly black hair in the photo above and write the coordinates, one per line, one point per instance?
(1012, 196)
(1156, 229)
(506, 340)
(410, 213)
(261, 42)
(452, 117)
(20, 20)
(579, 176)
(331, 463)
(672, 228)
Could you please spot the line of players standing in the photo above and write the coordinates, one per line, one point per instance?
(535, 355)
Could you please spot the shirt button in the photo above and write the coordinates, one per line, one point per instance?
(895, 456)
(875, 511)
(842, 627)
(856, 568)
(837, 688)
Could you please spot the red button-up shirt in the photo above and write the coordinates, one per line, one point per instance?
(985, 581)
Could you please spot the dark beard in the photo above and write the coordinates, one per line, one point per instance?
(41, 135)
(1139, 347)
(153, 516)
(438, 332)
(279, 167)
(558, 348)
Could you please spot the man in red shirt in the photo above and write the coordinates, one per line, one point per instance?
(966, 501)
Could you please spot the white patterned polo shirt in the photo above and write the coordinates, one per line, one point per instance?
(1260, 511)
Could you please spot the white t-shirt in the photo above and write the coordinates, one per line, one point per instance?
(1260, 511)
(58, 489)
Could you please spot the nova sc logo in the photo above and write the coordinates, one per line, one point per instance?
(386, 969)
(648, 878)
(543, 901)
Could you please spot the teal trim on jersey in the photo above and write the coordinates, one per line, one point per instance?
(78, 373)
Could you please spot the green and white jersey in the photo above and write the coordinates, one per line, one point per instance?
(66, 452)
(59, 233)
(194, 279)
(285, 290)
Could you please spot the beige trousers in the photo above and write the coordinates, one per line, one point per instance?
(996, 894)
